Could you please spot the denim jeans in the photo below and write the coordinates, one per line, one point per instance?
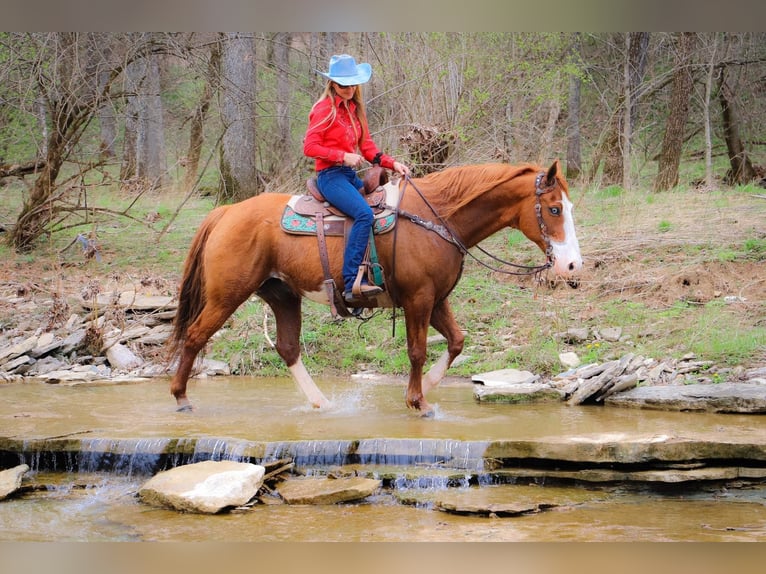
(340, 186)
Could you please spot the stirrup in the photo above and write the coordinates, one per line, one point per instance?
(362, 288)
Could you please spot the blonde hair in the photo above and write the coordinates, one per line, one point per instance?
(361, 110)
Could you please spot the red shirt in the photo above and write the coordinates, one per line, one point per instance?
(328, 142)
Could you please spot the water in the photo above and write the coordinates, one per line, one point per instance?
(120, 432)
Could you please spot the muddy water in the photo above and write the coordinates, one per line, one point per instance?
(103, 506)
(274, 410)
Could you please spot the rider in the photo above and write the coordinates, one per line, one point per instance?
(338, 138)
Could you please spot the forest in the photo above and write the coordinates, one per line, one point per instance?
(223, 114)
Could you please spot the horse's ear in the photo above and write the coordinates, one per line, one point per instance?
(550, 177)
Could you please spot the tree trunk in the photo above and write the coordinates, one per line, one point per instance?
(741, 170)
(627, 120)
(151, 159)
(554, 109)
(672, 142)
(615, 148)
(143, 161)
(128, 168)
(574, 153)
(709, 182)
(239, 175)
(283, 155)
(196, 129)
(36, 212)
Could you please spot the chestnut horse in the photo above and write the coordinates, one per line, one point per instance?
(240, 249)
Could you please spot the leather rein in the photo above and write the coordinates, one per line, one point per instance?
(443, 230)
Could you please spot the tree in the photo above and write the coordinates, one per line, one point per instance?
(741, 170)
(574, 151)
(283, 147)
(614, 148)
(57, 62)
(199, 116)
(239, 174)
(672, 142)
(144, 151)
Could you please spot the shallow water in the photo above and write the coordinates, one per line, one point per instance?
(104, 506)
(272, 409)
(108, 510)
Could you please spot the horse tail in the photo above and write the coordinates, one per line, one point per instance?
(191, 292)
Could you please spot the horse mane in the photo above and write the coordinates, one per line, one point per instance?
(455, 187)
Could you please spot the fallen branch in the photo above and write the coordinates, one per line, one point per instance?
(21, 169)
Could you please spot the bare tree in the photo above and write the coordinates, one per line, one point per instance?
(706, 117)
(144, 149)
(741, 170)
(239, 175)
(574, 150)
(197, 123)
(71, 98)
(672, 142)
(614, 148)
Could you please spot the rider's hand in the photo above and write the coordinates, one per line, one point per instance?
(352, 160)
(401, 169)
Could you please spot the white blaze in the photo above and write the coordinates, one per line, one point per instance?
(566, 254)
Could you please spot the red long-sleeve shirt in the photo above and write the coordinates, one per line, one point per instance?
(328, 142)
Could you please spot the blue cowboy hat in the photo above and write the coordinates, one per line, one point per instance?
(344, 70)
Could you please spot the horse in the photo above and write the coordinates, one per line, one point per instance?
(240, 249)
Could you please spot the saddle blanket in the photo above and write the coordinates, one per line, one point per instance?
(298, 224)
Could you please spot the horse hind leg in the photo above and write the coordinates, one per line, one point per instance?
(443, 320)
(211, 318)
(286, 305)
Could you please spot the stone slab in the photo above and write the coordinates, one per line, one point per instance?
(714, 398)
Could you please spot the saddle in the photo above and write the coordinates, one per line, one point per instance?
(312, 214)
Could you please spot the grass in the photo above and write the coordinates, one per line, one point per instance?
(634, 242)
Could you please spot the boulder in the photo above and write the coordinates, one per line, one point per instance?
(205, 487)
(10, 480)
(122, 358)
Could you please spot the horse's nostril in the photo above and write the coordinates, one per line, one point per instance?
(572, 266)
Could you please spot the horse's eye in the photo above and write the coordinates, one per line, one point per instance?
(555, 211)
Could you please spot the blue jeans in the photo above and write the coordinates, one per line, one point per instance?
(340, 186)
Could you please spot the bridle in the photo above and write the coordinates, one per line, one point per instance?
(443, 230)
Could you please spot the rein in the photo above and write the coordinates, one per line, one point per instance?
(443, 230)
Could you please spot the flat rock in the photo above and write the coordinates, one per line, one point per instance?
(130, 300)
(518, 393)
(10, 480)
(18, 349)
(327, 490)
(716, 398)
(205, 487)
(504, 377)
(510, 500)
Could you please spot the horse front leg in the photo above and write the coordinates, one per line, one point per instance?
(416, 319)
(286, 306)
(443, 320)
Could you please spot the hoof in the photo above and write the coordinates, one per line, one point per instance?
(428, 414)
(184, 406)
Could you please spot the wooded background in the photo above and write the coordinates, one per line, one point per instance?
(225, 113)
